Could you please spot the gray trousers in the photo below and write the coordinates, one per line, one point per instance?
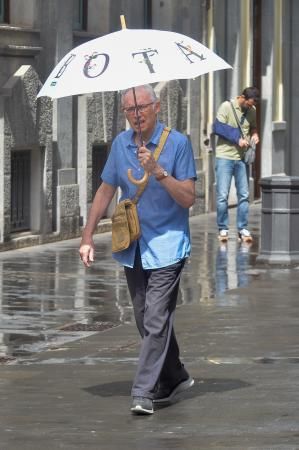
(154, 296)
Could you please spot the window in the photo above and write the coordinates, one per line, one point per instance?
(20, 190)
(80, 15)
(147, 15)
(4, 8)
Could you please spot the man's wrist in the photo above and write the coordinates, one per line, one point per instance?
(87, 236)
(161, 174)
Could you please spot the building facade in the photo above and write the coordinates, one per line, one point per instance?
(52, 152)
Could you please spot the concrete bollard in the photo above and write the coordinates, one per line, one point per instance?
(279, 220)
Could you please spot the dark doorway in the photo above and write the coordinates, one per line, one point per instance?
(99, 158)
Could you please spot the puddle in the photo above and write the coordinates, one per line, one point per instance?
(45, 289)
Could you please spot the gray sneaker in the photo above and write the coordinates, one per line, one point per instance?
(142, 405)
(167, 397)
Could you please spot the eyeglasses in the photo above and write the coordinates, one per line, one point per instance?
(140, 108)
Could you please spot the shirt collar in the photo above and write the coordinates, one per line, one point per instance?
(154, 139)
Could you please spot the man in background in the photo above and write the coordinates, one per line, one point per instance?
(231, 146)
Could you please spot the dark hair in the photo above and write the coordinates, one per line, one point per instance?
(251, 92)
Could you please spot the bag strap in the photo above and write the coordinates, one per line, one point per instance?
(157, 152)
(237, 120)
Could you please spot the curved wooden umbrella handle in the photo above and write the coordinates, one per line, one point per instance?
(135, 181)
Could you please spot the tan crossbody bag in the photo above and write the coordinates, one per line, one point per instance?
(125, 221)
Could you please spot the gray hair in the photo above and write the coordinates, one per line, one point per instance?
(145, 87)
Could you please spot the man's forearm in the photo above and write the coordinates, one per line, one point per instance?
(94, 217)
(183, 192)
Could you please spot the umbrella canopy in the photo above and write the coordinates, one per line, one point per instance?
(129, 58)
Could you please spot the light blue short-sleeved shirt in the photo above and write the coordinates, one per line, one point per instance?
(165, 235)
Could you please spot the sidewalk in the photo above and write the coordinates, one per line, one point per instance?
(241, 345)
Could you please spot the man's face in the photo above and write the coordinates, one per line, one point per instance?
(246, 104)
(147, 111)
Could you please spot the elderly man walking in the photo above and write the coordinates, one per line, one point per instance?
(154, 262)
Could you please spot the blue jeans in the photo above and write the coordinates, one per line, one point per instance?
(225, 170)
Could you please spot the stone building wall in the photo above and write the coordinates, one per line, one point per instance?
(27, 126)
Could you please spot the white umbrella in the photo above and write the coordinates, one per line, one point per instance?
(129, 58)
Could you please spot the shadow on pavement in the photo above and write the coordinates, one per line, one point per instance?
(201, 387)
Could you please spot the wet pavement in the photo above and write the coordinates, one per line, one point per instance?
(48, 297)
(68, 350)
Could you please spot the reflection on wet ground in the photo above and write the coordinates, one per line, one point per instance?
(45, 290)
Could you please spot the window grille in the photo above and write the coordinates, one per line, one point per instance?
(20, 190)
